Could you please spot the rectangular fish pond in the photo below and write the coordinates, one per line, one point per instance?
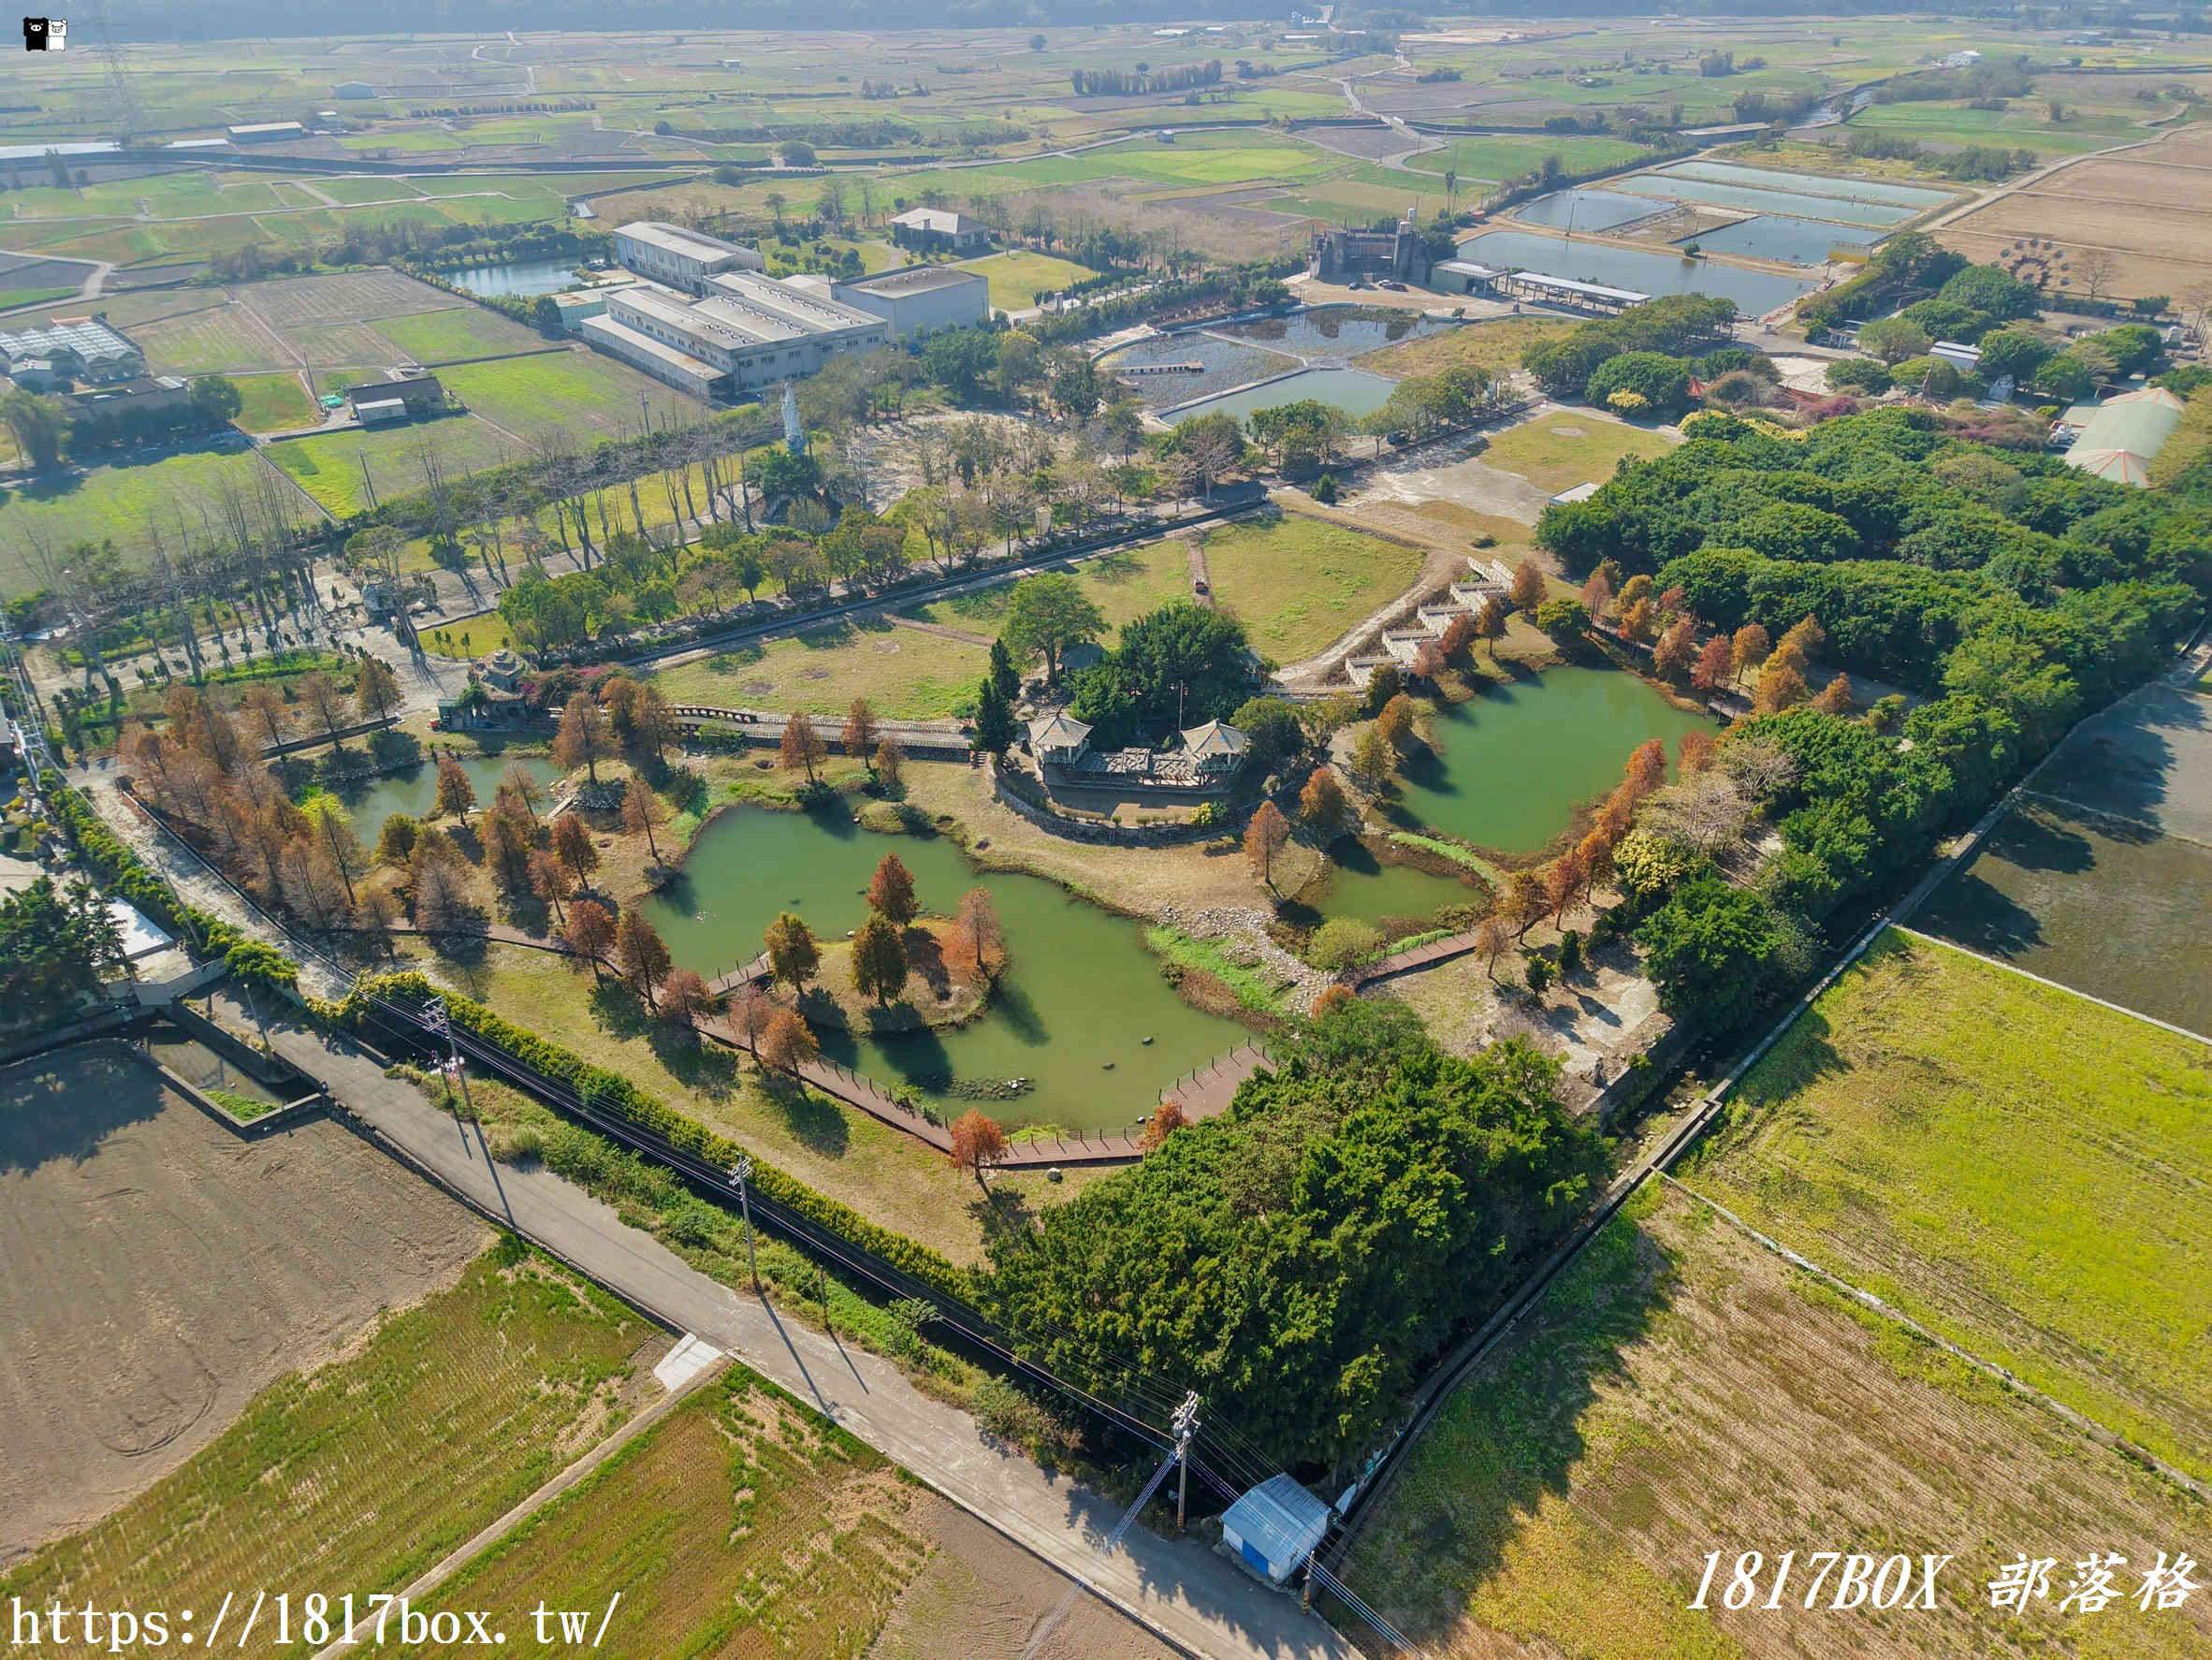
(1754, 292)
(1777, 236)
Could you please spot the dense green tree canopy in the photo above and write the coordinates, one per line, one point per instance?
(1297, 1260)
(1181, 666)
(56, 946)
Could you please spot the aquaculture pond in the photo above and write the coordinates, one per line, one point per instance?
(374, 800)
(1754, 292)
(1353, 391)
(516, 277)
(1507, 769)
(1221, 365)
(1083, 1012)
(1858, 189)
(1335, 333)
(1585, 210)
(1777, 236)
(1879, 215)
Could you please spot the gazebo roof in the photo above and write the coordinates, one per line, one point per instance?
(1060, 731)
(1216, 738)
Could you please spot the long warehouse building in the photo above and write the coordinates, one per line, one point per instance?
(739, 331)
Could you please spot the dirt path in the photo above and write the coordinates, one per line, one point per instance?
(1202, 580)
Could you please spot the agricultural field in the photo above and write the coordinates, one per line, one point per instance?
(1682, 1391)
(2025, 125)
(2143, 211)
(1123, 585)
(464, 333)
(199, 1270)
(367, 1470)
(274, 403)
(744, 1514)
(908, 674)
(1508, 157)
(2097, 877)
(2018, 1169)
(1015, 279)
(1298, 583)
(1557, 452)
(581, 391)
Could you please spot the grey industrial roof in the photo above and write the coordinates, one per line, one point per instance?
(915, 279)
(612, 327)
(674, 239)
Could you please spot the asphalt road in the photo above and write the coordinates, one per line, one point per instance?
(1187, 1594)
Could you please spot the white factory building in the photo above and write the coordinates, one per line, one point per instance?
(916, 301)
(681, 258)
(733, 330)
(750, 331)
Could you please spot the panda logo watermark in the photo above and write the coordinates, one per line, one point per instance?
(46, 34)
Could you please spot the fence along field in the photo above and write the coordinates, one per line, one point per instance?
(1683, 1390)
(2021, 1171)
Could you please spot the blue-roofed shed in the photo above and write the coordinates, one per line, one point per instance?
(1274, 1528)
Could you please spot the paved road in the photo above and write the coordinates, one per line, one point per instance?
(1189, 1595)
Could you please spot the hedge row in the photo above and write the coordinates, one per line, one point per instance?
(612, 1092)
(125, 875)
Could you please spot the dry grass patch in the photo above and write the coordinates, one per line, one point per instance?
(2020, 1169)
(1556, 452)
(1682, 1391)
(1496, 344)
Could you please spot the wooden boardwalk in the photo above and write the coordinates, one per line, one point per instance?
(1419, 956)
(1208, 1090)
(745, 974)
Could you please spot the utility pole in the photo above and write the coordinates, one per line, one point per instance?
(1185, 1427)
(739, 1173)
(435, 1017)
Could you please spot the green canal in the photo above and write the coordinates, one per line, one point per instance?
(1082, 1012)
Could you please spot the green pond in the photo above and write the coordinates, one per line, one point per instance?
(1360, 886)
(371, 801)
(1506, 770)
(1073, 1014)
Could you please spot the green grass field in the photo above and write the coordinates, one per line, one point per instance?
(328, 466)
(363, 1472)
(1298, 583)
(1557, 452)
(1123, 585)
(464, 332)
(2025, 125)
(1016, 278)
(578, 390)
(741, 1524)
(907, 674)
(114, 502)
(1680, 1391)
(468, 637)
(2022, 1170)
(274, 403)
